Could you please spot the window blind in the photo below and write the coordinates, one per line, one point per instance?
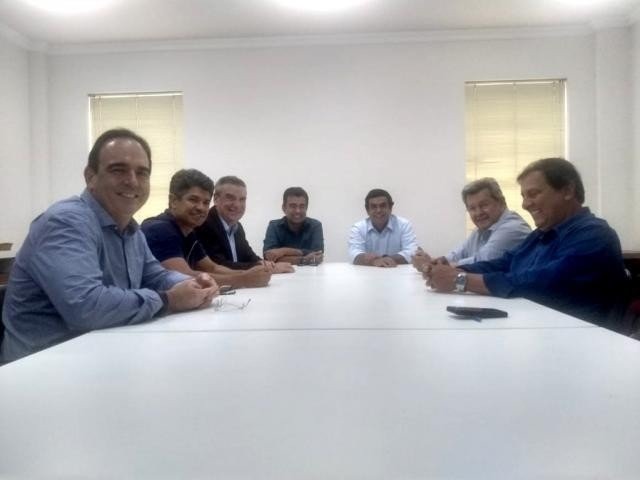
(157, 117)
(510, 124)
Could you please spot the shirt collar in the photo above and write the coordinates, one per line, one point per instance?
(389, 226)
(170, 217)
(103, 216)
(282, 223)
(229, 229)
(560, 228)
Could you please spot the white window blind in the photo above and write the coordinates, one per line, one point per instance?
(157, 117)
(510, 124)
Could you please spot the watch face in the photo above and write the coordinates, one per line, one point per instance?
(461, 282)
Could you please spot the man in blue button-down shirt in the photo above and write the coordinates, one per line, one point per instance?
(85, 264)
(572, 262)
(382, 239)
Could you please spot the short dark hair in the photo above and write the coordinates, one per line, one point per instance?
(377, 192)
(558, 173)
(229, 180)
(295, 192)
(185, 179)
(486, 183)
(94, 155)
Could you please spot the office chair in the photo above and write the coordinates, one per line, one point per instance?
(3, 288)
(632, 316)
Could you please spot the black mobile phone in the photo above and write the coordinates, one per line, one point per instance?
(477, 312)
(226, 290)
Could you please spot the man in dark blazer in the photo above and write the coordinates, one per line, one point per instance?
(222, 235)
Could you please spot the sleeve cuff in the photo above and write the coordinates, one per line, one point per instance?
(165, 303)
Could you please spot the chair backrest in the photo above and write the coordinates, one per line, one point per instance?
(632, 318)
(3, 288)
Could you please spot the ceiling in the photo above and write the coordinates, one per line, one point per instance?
(171, 20)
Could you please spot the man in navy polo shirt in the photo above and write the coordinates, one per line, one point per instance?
(294, 238)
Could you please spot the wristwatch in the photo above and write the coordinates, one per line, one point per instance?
(461, 282)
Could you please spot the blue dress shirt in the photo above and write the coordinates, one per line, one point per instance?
(308, 239)
(397, 237)
(505, 234)
(575, 267)
(76, 272)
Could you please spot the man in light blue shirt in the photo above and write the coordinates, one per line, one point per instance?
(382, 239)
(498, 229)
(85, 264)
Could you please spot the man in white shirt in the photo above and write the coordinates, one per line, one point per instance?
(382, 239)
(499, 229)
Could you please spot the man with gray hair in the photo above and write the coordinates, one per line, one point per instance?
(222, 234)
(498, 228)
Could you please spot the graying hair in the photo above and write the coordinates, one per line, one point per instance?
(230, 180)
(487, 183)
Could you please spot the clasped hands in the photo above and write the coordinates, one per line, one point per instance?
(286, 255)
(192, 293)
(376, 260)
(438, 272)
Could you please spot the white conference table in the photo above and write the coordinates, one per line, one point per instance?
(343, 296)
(312, 402)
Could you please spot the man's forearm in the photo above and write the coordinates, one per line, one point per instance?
(475, 283)
(293, 259)
(365, 259)
(399, 259)
(276, 254)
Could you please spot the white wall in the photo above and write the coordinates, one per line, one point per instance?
(15, 179)
(634, 214)
(613, 117)
(337, 120)
(39, 131)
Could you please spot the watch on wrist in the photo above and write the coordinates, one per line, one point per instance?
(461, 282)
